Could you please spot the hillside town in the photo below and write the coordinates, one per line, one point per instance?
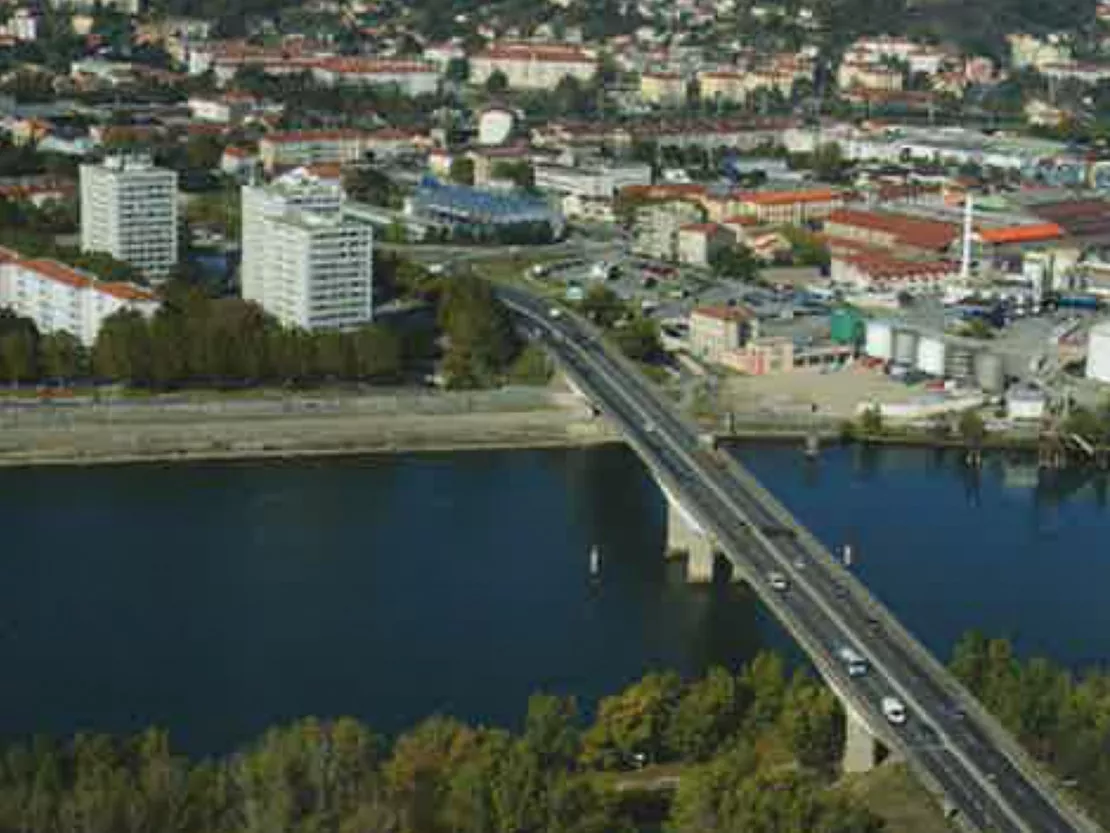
(767, 188)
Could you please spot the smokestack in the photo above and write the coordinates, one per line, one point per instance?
(965, 262)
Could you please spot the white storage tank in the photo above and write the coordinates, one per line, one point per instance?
(879, 341)
(931, 355)
(988, 372)
(905, 346)
(1098, 352)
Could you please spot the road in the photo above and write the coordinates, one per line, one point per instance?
(957, 750)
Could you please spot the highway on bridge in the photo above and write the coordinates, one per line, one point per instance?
(958, 751)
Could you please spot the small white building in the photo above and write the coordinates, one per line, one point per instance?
(1026, 404)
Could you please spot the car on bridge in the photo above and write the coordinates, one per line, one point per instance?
(777, 581)
(855, 662)
(894, 710)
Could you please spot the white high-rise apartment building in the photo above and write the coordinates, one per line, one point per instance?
(129, 210)
(305, 261)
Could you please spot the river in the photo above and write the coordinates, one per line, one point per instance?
(215, 600)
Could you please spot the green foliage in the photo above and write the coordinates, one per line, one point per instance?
(812, 724)
(371, 185)
(871, 422)
(519, 173)
(734, 262)
(710, 711)
(603, 306)
(444, 776)
(638, 338)
(972, 428)
(462, 170)
(480, 339)
(1061, 718)
(734, 792)
(633, 723)
(497, 83)
(531, 367)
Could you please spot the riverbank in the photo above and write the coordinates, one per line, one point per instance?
(181, 429)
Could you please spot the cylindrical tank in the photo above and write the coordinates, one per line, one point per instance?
(905, 347)
(988, 372)
(930, 355)
(879, 339)
(959, 363)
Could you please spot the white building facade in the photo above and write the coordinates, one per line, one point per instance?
(60, 298)
(129, 210)
(305, 261)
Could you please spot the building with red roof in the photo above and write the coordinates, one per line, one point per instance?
(892, 232)
(59, 298)
(533, 66)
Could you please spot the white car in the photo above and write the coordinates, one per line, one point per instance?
(894, 711)
(777, 581)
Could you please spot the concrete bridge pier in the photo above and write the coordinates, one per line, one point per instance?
(686, 538)
(861, 750)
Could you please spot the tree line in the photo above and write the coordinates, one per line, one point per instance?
(445, 776)
(1062, 718)
(196, 340)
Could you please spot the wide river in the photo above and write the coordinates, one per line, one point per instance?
(215, 600)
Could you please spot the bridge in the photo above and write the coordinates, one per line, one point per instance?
(960, 752)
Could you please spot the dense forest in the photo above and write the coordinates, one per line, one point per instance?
(758, 749)
(1061, 718)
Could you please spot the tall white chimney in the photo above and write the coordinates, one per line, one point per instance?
(965, 262)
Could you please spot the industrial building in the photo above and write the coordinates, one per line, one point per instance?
(129, 210)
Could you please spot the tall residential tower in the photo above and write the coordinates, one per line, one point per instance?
(129, 210)
(305, 261)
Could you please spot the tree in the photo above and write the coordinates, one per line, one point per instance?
(828, 162)
(61, 356)
(372, 186)
(462, 170)
(19, 345)
(603, 306)
(481, 342)
(813, 724)
(871, 421)
(633, 723)
(497, 83)
(708, 716)
(638, 338)
(458, 70)
(971, 428)
(734, 262)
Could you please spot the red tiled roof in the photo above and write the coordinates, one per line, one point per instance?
(912, 231)
(373, 66)
(125, 291)
(1021, 234)
(537, 52)
(59, 272)
(890, 268)
(789, 197)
